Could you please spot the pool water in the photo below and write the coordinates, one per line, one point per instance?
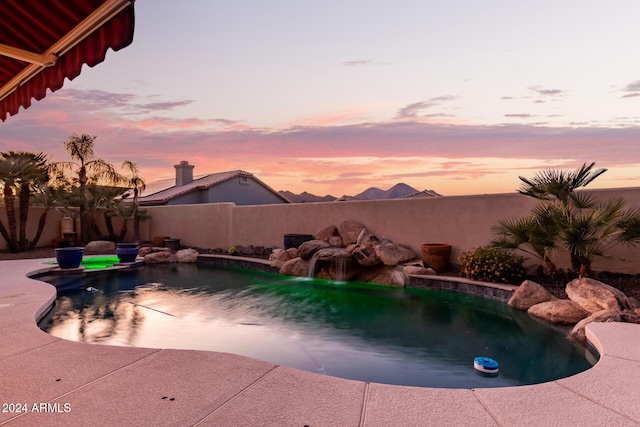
(350, 330)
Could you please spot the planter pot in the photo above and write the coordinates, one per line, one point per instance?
(295, 240)
(159, 240)
(69, 257)
(127, 252)
(173, 244)
(436, 256)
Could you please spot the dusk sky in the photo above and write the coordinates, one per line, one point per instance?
(333, 97)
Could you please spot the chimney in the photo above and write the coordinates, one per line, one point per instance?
(184, 173)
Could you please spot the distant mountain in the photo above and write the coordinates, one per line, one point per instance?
(398, 191)
(306, 197)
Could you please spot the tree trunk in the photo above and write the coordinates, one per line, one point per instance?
(136, 228)
(24, 196)
(84, 215)
(94, 227)
(41, 223)
(7, 238)
(123, 230)
(108, 220)
(9, 203)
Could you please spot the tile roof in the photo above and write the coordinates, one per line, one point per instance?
(422, 194)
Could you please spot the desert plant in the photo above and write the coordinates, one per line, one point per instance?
(87, 169)
(23, 172)
(492, 264)
(587, 228)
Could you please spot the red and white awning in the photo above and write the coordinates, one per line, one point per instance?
(42, 42)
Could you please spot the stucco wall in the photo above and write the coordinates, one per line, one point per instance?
(463, 221)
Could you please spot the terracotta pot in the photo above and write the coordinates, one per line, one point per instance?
(436, 256)
(158, 240)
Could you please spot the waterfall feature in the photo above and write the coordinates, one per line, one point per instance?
(341, 268)
(312, 265)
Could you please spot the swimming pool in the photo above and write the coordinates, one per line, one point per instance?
(351, 330)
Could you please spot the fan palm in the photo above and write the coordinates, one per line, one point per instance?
(87, 167)
(585, 227)
(21, 171)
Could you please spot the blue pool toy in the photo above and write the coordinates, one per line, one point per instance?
(486, 365)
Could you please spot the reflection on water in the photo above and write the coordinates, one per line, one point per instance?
(349, 330)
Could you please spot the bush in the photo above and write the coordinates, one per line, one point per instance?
(489, 264)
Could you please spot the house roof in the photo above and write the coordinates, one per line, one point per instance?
(44, 42)
(165, 190)
(423, 194)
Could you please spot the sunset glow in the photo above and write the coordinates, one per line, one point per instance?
(334, 97)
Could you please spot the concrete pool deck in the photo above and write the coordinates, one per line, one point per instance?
(60, 382)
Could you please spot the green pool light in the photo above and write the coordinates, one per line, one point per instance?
(95, 262)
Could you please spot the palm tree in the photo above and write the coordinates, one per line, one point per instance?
(138, 185)
(87, 167)
(23, 171)
(585, 227)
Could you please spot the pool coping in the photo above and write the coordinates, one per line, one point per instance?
(63, 382)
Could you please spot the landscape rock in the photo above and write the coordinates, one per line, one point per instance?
(159, 258)
(528, 294)
(292, 252)
(295, 267)
(326, 233)
(187, 255)
(336, 241)
(392, 254)
(100, 247)
(578, 335)
(278, 257)
(383, 275)
(245, 250)
(350, 230)
(146, 250)
(561, 311)
(633, 303)
(630, 316)
(366, 256)
(594, 296)
(417, 270)
(307, 249)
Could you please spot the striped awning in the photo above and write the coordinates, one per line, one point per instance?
(42, 42)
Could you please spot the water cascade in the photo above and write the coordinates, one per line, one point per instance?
(312, 265)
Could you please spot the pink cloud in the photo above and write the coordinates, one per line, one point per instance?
(310, 155)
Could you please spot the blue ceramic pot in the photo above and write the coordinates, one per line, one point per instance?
(69, 257)
(295, 240)
(127, 252)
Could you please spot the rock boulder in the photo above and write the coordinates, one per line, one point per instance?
(159, 258)
(392, 254)
(187, 255)
(295, 267)
(529, 294)
(100, 247)
(278, 257)
(350, 230)
(307, 249)
(560, 311)
(578, 335)
(594, 296)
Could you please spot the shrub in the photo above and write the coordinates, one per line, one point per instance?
(490, 264)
